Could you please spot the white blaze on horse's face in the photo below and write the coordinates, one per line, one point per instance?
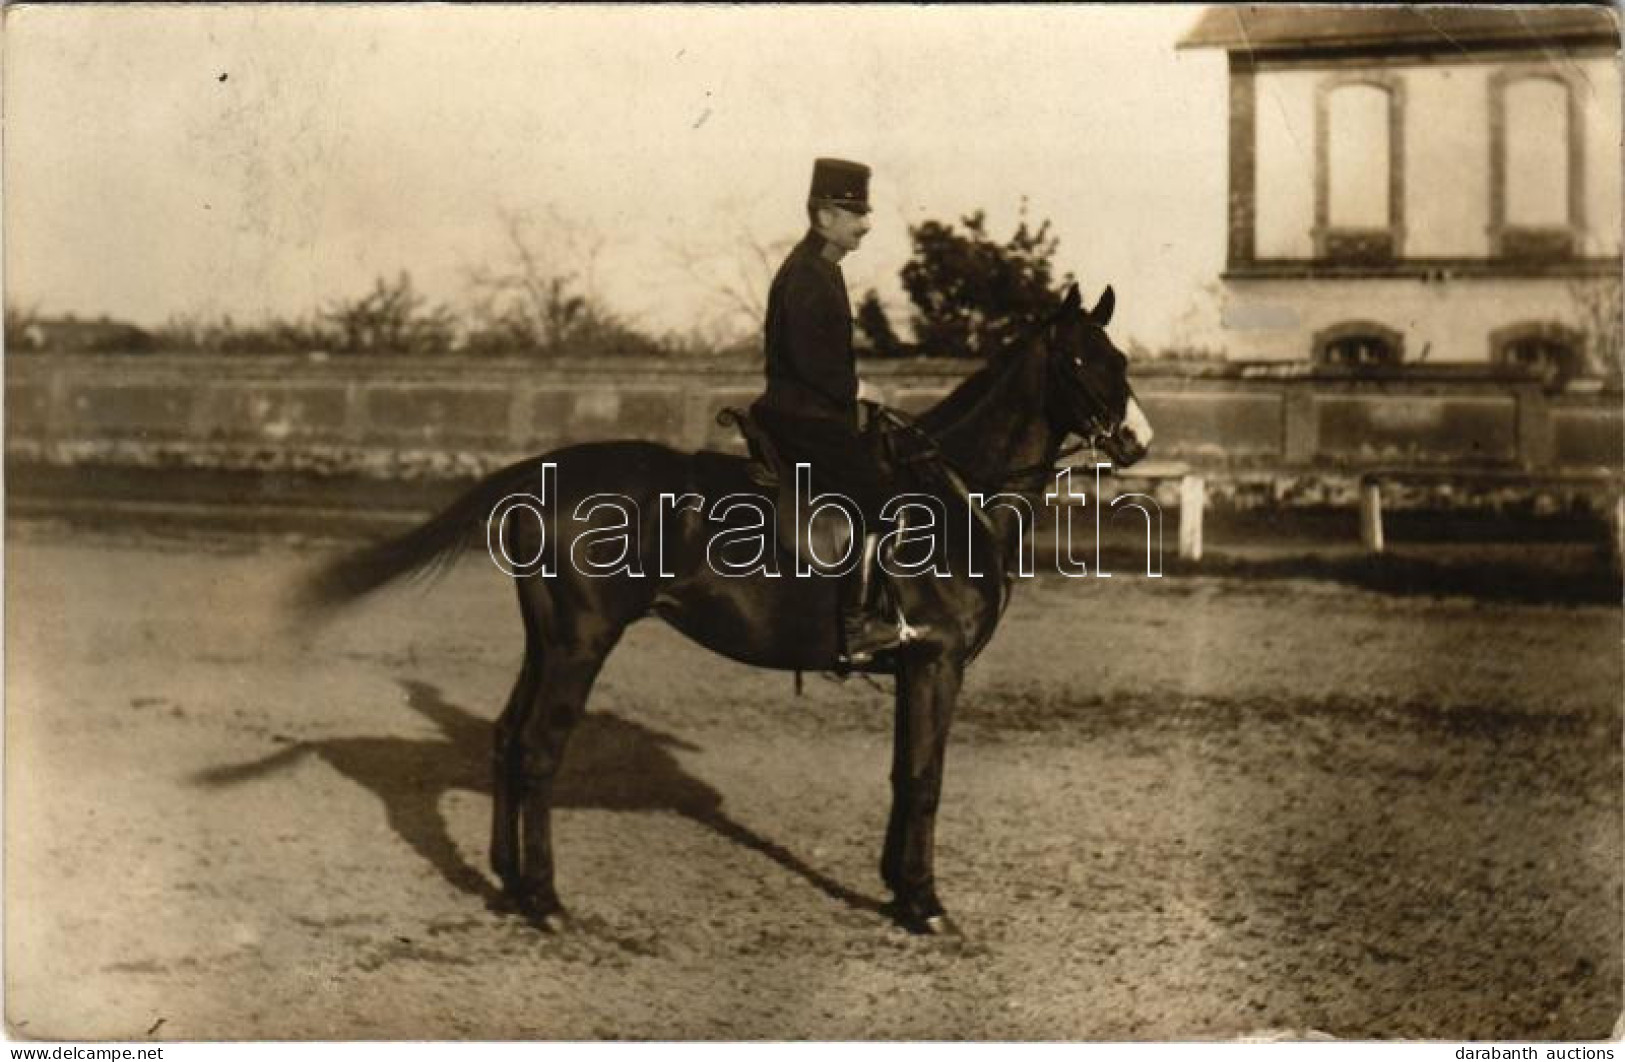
(1135, 424)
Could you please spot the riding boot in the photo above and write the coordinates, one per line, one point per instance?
(865, 631)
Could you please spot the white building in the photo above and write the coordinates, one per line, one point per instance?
(1422, 184)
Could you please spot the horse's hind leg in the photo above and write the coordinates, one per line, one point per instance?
(506, 781)
(564, 676)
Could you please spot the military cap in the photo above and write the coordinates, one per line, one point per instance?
(837, 182)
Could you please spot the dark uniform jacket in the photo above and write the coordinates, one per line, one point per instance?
(811, 371)
(810, 406)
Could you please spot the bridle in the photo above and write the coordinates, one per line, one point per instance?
(1098, 424)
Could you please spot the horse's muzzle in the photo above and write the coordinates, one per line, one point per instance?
(1123, 448)
(1132, 439)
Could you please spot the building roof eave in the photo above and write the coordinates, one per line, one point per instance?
(1262, 28)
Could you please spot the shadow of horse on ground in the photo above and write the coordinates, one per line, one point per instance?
(614, 765)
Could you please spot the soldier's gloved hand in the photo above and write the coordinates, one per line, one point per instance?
(867, 392)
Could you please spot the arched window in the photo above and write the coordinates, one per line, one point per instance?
(1360, 344)
(1536, 163)
(1548, 350)
(1358, 180)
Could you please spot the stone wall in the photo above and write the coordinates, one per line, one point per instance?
(273, 429)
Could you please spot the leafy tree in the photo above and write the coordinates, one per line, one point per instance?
(971, 294)
(874, 326)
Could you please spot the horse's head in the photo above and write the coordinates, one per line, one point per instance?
(1089, 391)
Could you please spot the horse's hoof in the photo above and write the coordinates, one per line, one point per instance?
(925, 918)
(544, 912)
(553, 923)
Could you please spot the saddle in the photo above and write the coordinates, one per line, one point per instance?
(765, 463)
(825, 543)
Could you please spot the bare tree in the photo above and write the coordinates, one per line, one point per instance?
(736, 277)
(222, 334)
(541, 297)
(391, 319)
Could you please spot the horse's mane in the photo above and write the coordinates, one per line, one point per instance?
(970, 391)
(965, 396)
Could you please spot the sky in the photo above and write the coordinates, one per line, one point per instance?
(164, 161)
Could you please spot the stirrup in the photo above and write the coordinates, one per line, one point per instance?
(886, 641)
(905, 633)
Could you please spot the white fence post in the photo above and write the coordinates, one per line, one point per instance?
(1371, 515)
(1192, 499)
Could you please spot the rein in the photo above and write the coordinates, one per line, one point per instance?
(931, 456)
(1050, 469)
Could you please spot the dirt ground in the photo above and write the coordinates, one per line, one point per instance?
(1194, 807)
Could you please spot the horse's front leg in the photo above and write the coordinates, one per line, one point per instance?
(926, 691)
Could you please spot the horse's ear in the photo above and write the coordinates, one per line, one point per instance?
(1102, 313)
(1073, 303)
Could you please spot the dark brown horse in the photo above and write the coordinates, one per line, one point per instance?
(1000, 430)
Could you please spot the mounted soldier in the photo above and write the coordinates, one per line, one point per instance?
(1004, 424)
(810, 406)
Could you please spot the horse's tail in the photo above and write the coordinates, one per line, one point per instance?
(426, 551)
